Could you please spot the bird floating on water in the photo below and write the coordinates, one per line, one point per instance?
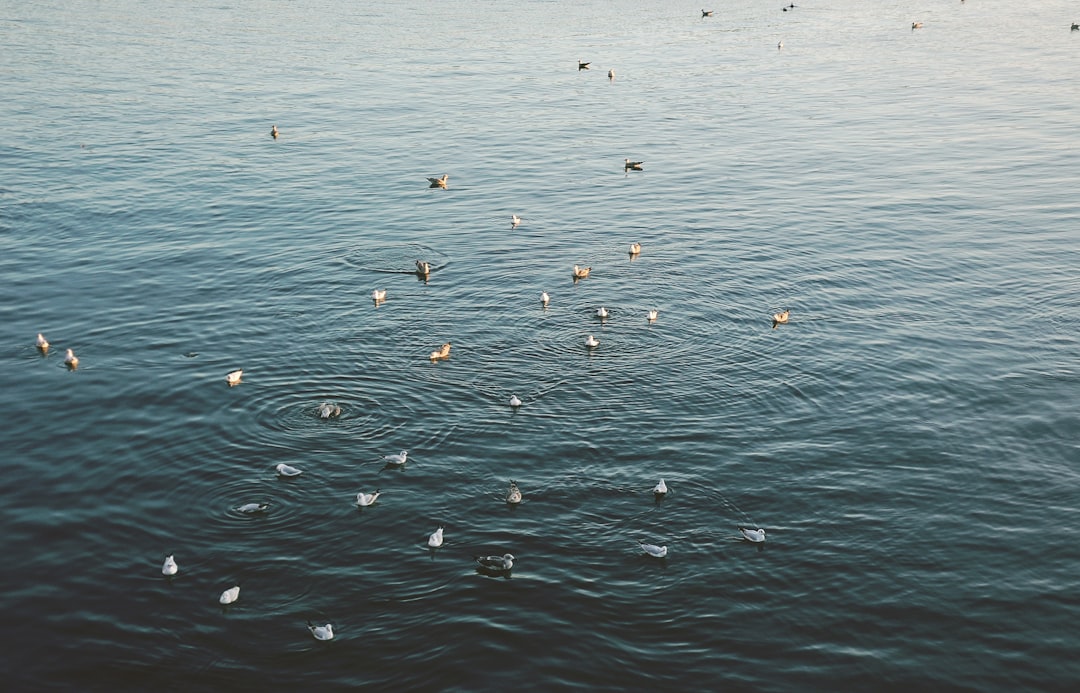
(328, 410)
(169, 567)
(321, 632)
(635, 248)
(653, 550)
(436, 538)
(780, 318)
(515, 401)
(544, 299)
(514, 221)
(253, 508)
(581, 272)
(652, 315)
(780, 45)
(601, 312)
(285, 470)
(755, 535)
(513, 496)
(274, 131)
(706, 13)
(1075, 27)
(633, 165)
(439, 182)
(423, 268)
(442, 353)
(660, 489)
(592, 342)
(378, 295)
(397, 459)
(366, 499)
(499, 564)
(233, 377)
(582, 65)
(916, 25)
(71, 360)
(42, 343)
(230, 595)
(611, 74)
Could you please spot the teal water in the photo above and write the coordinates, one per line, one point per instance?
(908, 440)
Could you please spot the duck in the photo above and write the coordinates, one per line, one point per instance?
(378, 295)
(42, 343)
(515, 401)
(706, 13)
(514, 221)
(660, 489)
(423, 268)
(633, 165)
(169, 567)
(581, 272)
(439, 182)
(513, 496)
(321, 632)
(436, 538)
(653, 550)
(544, 299)
(398, 459)
(601, 312)
(233, 377)
(592, 342)
(916, 25)
(635, 248)
(780, 318)
(253, 508)
(230, 595)
(442, 353)
(273, 131)
(71, 360)
(755, 535)
(582, 65)
(328, 410)
(652, 315)
(366, 499)
(285, 470)
(501, 564)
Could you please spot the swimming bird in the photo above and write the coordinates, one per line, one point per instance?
(601, 312)
(916, 25)
(755, 535)
(581, 272)
(321, 632)
(169, 567)
(706, 13)
(633, 165)
(1075, 27)
(651, 315)
(274, 131)
(71, 360)
(780, 45)
(592, 342)
(653, 550)
(439, 182)
(230, 595)
(501, 564)
(513, 496)
(660, 489)
(378, 295)
(253, 508)
(233, 377)
(285, 470)
(780, 318)
(544, 299)
(366, 499)
(396, 459)
(436, 538)
(442, 353)
(328, 410)
(514, 221)
(515, 401)
(423, 268)
(42, 343)
(611, 74)
(635, 248)
(582, 66)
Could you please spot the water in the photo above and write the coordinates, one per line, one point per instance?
(908, 440)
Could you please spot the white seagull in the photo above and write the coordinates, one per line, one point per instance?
(436, 538)
(652, 315)
(328, 410)
(544, 299)
(515, 401)
(285, 470)
(169, 567)
(592, 342)
(501, 563)
(42, 343)
(378, 295)
(396, 459)
(654, 550)
(71, 360)
(635, 248)
(601, 312)
(253, 508)
(321, 632)
(514, 221)
(755, 535)
(233, 377)
(230, 595)
(423, 268)
(366, 499)
(513, 496)
(660, 488)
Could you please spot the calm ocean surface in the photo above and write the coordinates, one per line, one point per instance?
(909, 440)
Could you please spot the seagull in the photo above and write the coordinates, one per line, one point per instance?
(396, 459)
(233, 377)
(439, 182)
(513, 496)
(230, 595)
(611, 74)
(515, 401)
(601, 312)
(651, 316)
(706, 13)
(442, 353)
(633, 165)
(274, 131)
(592, 342)
(423, 268)
(514, 221)
(42, 343)
(1075, 27)
(780, 45)
(366, 499)
(328, 410)
(321, 632)
(544, 299)
(435, 540)
(916, 25)
(654, 550)
(780, 318)
(501, 564)
(285, 470)
(253, 508)
(71, 360)
(581, 65)
(635, 248)
(755, 535)
(581, 272)
(169, 567)
(660, 489)
(378, 295)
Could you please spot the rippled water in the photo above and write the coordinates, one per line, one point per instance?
(908, 440)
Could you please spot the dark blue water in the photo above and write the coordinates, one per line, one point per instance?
(909, 440)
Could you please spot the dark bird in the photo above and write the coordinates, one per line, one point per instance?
(581, 65)
(706, 13)
(633, 165)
